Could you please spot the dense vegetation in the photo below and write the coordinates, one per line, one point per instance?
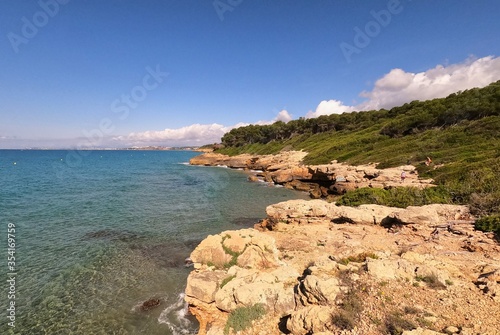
(460, 133)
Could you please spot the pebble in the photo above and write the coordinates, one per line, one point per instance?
(451, 330)
(431, 319)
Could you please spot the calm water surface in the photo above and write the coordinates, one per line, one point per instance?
(97, 236)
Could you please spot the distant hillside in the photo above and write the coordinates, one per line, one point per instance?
(460, 133)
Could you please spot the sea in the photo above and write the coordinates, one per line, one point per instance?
(88, 236)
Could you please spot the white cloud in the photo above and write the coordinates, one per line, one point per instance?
(283, 116)
(394, 88)
(398, 87)
(329, 107)
(189, 135)
(195, 134)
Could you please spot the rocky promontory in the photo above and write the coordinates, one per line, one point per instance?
(318, 268)
(321, 181)
(312, 267)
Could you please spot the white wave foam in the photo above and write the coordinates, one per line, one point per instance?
(179, 309)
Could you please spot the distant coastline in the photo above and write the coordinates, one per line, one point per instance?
(147, 148)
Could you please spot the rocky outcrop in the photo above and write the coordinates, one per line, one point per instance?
(326, 269)
(282, 161)
(237, 269)
(313, 211)
(319, 268)
(321, 181)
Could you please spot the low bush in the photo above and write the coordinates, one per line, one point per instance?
(432, 281)
(343, 320)
(401, 197)
(489, 223)
(351, 306)
(359, 258)
(241, 318)
(396, 324)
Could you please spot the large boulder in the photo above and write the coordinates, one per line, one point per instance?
(317, 290)
(287, 175)
(291, 210)
(203, 285)
(310, 211)
(310, 320)
(210, 252)
(411, 265)
(208, 159)
(430, 214)
(250, 287)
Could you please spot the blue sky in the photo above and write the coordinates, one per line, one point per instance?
(228, 62)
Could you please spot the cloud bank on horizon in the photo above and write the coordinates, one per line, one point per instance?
(394, 88)
(195, 134)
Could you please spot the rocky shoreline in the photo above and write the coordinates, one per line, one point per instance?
(321, 181)
(318, 268)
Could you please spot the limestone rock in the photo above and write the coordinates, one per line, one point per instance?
(310, 320)
(298, 185)
(316, 290)
(312, 210)
(210, 251)
(250, 287)
(255, 257)
(421, 331)
(489, 282)
(295, 209)
(207, 159)
(203, 285)
(429, 214)
(410, 266)
(335, 178)
(253, 178)
(451, 330)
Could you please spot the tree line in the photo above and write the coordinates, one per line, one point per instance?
(410, 118)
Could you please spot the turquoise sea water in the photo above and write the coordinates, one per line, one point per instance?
(98, 235)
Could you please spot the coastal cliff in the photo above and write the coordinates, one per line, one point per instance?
(312, 267)
(321, 181)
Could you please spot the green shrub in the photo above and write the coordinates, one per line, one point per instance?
(241, 318)
(234, 254)
(488, 223)
(401, 197)
(226, 280)
(359, 258)
(432, 281)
